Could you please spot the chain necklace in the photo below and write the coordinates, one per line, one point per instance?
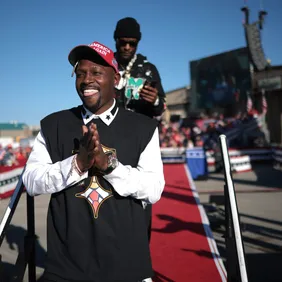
(129, 66)
(126, 75)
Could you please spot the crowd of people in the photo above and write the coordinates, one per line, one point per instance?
(10, 156)
(243, 130)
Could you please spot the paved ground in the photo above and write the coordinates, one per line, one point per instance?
(13, 242)
(259, 198)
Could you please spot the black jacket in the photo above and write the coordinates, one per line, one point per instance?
(143, 69)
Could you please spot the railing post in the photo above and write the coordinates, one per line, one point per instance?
(10, 209)
(232, 266)
(236, 267)
(30, 239)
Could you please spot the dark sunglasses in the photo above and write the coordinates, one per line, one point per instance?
(123, 43)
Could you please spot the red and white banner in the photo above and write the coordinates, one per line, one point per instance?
(9, 177)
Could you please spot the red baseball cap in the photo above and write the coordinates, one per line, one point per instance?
(83, 51)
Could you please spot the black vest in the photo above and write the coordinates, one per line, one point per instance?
(93, 234)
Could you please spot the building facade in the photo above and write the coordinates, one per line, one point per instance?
(178, 101)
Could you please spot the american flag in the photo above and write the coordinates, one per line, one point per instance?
(264, 104)
(249, 103)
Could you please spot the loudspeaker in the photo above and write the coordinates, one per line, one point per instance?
(256, 52)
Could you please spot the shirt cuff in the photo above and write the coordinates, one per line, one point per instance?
(120, 173)
(157, 102)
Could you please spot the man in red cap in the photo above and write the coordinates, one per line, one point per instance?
(99, 173)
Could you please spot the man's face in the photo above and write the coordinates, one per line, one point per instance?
(126, 47)
(95, 85)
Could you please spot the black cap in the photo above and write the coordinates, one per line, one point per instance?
(127, 27)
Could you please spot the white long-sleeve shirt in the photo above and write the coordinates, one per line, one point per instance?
(145, 182)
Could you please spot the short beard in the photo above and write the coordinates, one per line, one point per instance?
(96, 107)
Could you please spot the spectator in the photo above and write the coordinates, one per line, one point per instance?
(140, 88)
(136, 71)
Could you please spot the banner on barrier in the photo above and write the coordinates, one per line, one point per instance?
(173, 155)
(9, 177)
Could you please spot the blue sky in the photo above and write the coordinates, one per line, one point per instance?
(37, 35)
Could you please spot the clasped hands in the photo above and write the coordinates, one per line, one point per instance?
(91, 154)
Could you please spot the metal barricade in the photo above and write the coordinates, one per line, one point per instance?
(27, 256)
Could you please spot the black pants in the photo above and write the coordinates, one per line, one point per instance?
(148, 217)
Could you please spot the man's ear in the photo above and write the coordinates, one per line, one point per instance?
(117, 78)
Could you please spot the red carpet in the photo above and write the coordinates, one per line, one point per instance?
(180, 246)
